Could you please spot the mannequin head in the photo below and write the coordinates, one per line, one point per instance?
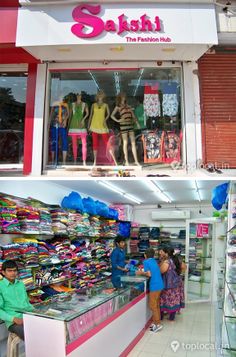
(100, 96)
(121, 99)
(79, 97)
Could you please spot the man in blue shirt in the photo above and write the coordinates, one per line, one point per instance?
(118, 262)
(152, 271)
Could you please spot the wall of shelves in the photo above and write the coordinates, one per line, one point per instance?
(229, 297)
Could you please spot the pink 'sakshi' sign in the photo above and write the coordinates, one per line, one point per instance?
(90, 25)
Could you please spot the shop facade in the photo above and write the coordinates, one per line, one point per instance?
(217, 88)
(149, 53)
(17, 91)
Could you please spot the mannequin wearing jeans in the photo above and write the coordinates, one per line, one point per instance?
(127, 120)
(98, 123)
(58, 121)
(77, 128)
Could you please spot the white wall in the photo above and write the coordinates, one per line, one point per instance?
(42, 190)
(142, 214)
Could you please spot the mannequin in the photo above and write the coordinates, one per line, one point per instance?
(98, 123)
(140, 114)
(77, 128)
(126, 121)
(58, 121)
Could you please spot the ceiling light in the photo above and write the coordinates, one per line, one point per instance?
(169, 49)
(120, 192)
(132, 198)
(117, 49)
(197, 190)
(117, 82)
(110, 186)
(65, 49)
(158, 191)
(94, 79)
(138, 81)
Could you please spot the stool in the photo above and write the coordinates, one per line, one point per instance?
(12, 345)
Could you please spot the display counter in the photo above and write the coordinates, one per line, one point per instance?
(104, 323)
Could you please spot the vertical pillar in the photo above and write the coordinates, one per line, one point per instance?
(192, 126)
(29, 118)
(38, 138)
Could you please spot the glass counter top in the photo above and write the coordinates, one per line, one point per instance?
(75, 304)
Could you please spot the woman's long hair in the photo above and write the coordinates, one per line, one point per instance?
(170, 251)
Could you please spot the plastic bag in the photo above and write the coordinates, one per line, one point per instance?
(219, 195)
(89, 206)
(73, 201)
(102, 209)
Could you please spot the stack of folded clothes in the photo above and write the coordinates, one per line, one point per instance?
(95, 226)
(59, 221)
(9, 222)
(29, 219)
(45, 225)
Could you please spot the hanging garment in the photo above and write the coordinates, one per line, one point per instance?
(170, 104)
(172, 146)
(153, 146)
(151, 102)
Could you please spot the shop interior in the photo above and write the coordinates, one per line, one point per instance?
(62, 233)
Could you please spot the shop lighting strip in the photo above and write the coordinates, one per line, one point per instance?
(120, 192)
(138, 82)
(198, 191)
(117, 82)
(158, 191)
(94, 79)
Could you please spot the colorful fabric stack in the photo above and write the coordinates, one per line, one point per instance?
(35, 296)
(9, 222)
(121, 211)
(29, 254)
(109, 229)
(25, 275)
(95, 226)
(29, 219)
(43, 252)
(63, 249)
(45, 225)
(11, 252)
(78, 224)
(59, 221)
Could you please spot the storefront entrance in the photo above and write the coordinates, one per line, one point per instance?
(148, 120)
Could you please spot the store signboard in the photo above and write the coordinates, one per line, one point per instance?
(89, 16)
(83, 23)
(202, 230)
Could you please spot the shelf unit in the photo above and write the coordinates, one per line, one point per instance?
(228, 338)
(199, 258)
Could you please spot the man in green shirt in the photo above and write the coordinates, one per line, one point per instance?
(13, 299)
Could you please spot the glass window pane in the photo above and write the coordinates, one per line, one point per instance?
(143, 127)
(12, 114)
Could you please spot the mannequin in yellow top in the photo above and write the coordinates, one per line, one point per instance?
(98, 123)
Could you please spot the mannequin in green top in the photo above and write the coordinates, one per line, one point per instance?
(77, 127)
(140, 114)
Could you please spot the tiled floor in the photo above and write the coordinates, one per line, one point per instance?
(193, 329)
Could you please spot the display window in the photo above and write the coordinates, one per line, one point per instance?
(114, 117)
(12, 115)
